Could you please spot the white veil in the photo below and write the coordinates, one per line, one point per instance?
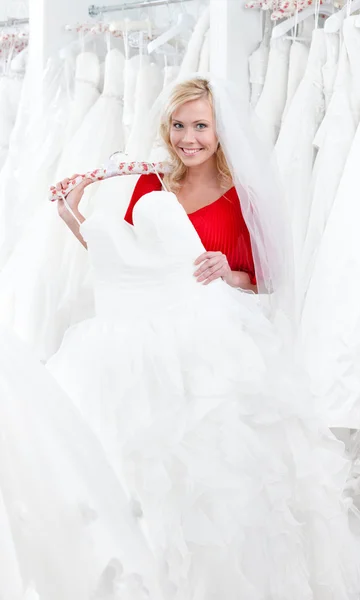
(251, 160)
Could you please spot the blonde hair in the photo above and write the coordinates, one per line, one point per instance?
(190, 90)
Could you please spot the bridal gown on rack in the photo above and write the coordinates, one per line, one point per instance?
(86, 92)
(258, 63)
(46, 284)
(131, 70)
(333, 140)
(238, 485)
(68, 529)
(148, 87)
(35, 147)
(191, 61)
(298, 58)
(294, 149)
(330, 68)
(149, 84)
(10, 92)
(272, 101)
(331, 316)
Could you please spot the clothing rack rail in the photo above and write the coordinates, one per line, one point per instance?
(13, 22)
(94, 11)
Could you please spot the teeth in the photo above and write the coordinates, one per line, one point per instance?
(190, 152)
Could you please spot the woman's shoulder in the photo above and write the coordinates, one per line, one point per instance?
(144, 185)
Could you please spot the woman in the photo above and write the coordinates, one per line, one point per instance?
(236, 482)
(201, 180)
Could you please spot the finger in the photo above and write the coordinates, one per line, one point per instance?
(206, 255)
(210, 262)
(217, 275)
(65, 183)
(84, 183)
(78, 187)
(218, 270)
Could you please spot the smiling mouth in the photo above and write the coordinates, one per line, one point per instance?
(191, 151)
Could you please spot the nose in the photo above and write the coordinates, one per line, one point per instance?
(188, 136)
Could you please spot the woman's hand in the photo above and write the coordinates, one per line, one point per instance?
(213, 266)
(73, 201)
(73, 198)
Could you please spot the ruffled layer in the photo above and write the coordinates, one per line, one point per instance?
(68, 531)
(237, 484)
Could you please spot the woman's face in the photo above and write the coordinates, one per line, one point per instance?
(192, 133)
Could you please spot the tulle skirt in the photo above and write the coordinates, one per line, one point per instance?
(237, 483)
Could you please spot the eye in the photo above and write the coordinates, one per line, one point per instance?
(201, 126)
(177, 125)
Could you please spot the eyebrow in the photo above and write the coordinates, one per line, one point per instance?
(198, 121)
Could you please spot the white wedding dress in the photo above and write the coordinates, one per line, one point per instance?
(10, 93)
(331, 316)
(36, 144)
(46, 285)
(238, 484)
(131, 70)
(86, 93)
(294, 149)
(330, 68)
(333, 140)
(258, 63)
(299, 54)
(192, 58)
(148, 87)
(271, 104)
(68, 529)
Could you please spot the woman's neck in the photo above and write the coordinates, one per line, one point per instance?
(204, 173)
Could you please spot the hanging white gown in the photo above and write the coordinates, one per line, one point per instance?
(131, 70)
(46, 285)
(331, 316)
(270, 106)
(299, 54)
(36, 145)
(333, 140)
(10, 92)
(258, 64)
(187, 388)
(204, 61)
(148, 87)
(294, 149)
(86, 92)
(191, 61)
(170, 74)
(68, 529)
(330, 68)
(149, 84)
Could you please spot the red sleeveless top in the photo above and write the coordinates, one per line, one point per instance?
(220, 225)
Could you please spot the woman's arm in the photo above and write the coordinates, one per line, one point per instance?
(241, 279)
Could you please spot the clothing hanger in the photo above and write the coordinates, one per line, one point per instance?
(286, 26)
(333, 24)
(86, 32)
(184, 23)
